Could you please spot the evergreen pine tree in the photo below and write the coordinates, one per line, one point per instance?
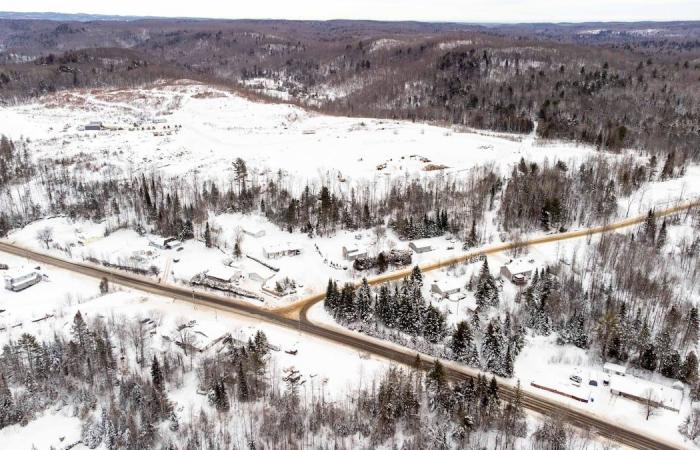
(649, 359)
(462, 345)
(435, 378)
(690, 335)
(508, 362)
(363, 302)
(156, 375)
(433, 324)
(207, 236)
(649, 227)
(382, 263)
(492, 348)
(8, 414)
(661, 240)
(689, 372)
(80, 331)
(486, 290)
(472, 240)
(416, 276)
(243, 391)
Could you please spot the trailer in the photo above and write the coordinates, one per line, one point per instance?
(21, 280)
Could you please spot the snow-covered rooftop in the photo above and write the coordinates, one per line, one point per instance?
(281, 247)
(225, 273)
(519, 266)
(616, 368)
(667, 396)
(449, 284)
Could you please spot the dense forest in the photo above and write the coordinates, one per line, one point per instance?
(402, 315)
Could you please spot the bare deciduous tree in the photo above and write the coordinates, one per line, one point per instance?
(45, 236)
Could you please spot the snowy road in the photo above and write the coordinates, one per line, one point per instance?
(295, 317)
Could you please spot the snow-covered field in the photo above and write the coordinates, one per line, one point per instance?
(219, 126)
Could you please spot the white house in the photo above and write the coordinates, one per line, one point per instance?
(420, 246)
(274, 251)
(614, 369)
(21, 279)
(446, 287)
(517, 271)
(351, 252)
(224, 274)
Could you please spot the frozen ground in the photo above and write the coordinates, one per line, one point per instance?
(53, 429)
(218, 126)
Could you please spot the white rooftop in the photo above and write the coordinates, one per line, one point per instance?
(449, 284)
(19, 272)
(640, 388)
(612, 367)
(223, 272)
(281, 247)
(519, 266)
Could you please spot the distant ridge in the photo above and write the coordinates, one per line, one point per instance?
(76, 17)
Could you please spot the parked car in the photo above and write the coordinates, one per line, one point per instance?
(575, 379)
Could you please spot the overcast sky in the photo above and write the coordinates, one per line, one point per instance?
(423, 10)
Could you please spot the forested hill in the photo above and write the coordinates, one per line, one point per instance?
(622, 85)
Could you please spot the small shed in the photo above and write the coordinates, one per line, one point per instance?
(517, 271)
(420, 246)
(446, 287)
(614, 369)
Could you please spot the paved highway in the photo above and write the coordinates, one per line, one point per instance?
(295, 317)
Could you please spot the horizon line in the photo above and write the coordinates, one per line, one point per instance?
(127, 17)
